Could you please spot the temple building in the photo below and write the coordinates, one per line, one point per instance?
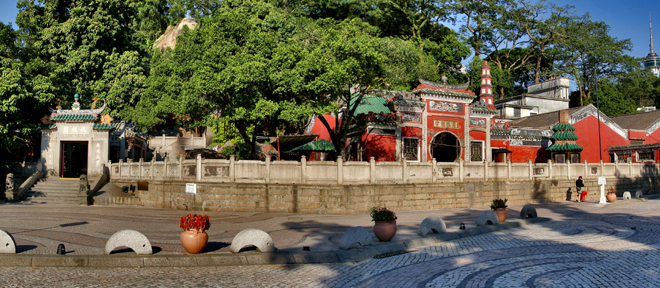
(652, 61)
(79, 141)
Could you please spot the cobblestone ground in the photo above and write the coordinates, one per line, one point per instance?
(615, 247)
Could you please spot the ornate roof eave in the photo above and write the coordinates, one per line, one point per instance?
(430, 91)
(445, 86)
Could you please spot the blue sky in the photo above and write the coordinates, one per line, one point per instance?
(627, 18)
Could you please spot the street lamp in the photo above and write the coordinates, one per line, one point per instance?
(600, 149)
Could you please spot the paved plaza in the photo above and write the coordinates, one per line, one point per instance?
(584, 245)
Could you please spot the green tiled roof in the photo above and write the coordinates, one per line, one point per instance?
(407, 102)
(444, 92)
(483, 110)
(73, 117)
(568, 147)
(372, 104)
(563, 127)
(103, 127)
(319, 145)
(47, 126)
(564, 135)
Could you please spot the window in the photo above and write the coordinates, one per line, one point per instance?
(516, 112)
(411, 149)
(636, 142)
(644, 156)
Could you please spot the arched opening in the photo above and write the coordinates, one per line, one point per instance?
(445, 147)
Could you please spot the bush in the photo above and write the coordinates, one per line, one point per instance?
(498, 203)
(382, 214)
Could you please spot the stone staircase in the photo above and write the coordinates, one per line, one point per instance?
(53, 190)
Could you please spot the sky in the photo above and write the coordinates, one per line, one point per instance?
(627, 18)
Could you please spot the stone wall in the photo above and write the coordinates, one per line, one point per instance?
(356, 199)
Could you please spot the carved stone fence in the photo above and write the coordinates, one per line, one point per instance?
(352, 172)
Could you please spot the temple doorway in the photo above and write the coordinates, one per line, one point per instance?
(445, 147)
(73, 159)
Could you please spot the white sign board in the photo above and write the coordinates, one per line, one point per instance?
(191, 188)
(602, 180)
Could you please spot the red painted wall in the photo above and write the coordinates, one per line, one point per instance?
(523, 153)
(381, 147)
(587, 132)
(653, 137)
(320, 129)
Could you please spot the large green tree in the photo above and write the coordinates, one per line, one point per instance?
(97, 48)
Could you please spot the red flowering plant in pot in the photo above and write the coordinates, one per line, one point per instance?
(499, 206)
(193, 237)
(385, 227)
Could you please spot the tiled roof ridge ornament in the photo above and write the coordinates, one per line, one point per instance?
(94, 111)
(76, 105)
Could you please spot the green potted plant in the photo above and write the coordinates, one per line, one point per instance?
(499, 206)
(385, 226)
(194, 237)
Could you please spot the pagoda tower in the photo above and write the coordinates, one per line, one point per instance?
(652, 61)
(486, 87)
(564, 146)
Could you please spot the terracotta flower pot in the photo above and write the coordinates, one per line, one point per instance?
(194, 241)
(385, 231)
(502, 213)
(611, 197)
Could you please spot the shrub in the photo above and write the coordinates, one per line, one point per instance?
(195, 222)
(498, 203)
(382, 214)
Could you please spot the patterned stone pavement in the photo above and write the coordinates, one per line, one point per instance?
(595, 249)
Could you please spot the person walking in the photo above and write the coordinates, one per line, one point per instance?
(578, 185)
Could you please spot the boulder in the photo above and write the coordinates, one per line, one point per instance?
(528, 211)
(432, 225)
(626, 195)
(131, 239)
(252, 237)
(7, 243)
(355, 238)
(488, 217)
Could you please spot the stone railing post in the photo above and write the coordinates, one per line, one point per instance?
(83, 190)
(140, 169)
(181, 167)
(167, 159)
(508, 169)
(433, 170)
(586, 169)
(630, 168)
(405, 170)
(550, 169)
(303, 167)
(486, 172)
(199, 168)
(151, 171)
(568, 169)
(372, 170)
(267, 170)
(119, 165)
(531, 170)
(461, 170)
(340, 170)
(232, 168)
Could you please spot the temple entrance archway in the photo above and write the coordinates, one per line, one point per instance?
(445, 147)
(73, 159)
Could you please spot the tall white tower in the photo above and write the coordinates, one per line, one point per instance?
(652, 61)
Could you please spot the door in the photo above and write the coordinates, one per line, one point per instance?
(73, 159)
